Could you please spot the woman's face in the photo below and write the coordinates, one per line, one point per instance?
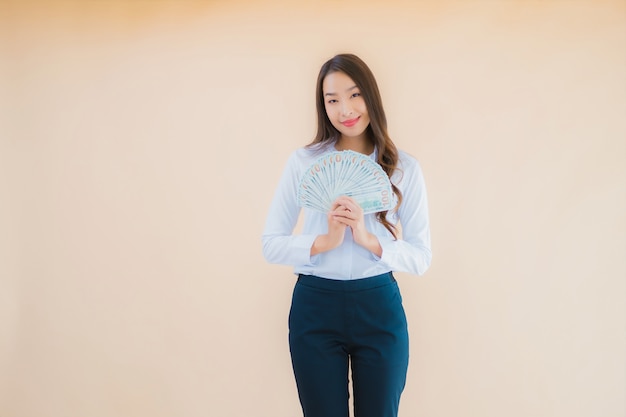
(345, 106)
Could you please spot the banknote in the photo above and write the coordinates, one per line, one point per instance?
(345, 173)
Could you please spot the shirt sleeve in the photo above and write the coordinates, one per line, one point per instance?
(280, 245)
(412, 253)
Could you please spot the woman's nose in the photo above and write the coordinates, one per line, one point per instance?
(346, 109)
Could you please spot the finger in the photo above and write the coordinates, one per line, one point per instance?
(349, 203)
(345, 200)
(351, 211)
(336, 205)
(344, 216)
(342, 210)
(344, 221)
(341, 204)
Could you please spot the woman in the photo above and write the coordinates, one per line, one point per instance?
(346, 309)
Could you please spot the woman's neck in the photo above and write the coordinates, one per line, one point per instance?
(363, 146)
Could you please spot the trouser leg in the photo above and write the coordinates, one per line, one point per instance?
(319, 358)
(380, 353)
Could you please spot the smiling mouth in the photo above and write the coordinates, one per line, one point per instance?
(350, 123)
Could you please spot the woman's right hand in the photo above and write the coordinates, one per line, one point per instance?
(334, 237)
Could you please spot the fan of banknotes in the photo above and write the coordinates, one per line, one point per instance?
(346, 173)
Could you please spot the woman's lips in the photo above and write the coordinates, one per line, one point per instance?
(350, 123)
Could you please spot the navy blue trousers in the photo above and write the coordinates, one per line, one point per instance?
(359, 322)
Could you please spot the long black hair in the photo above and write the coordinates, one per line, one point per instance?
(359, 72)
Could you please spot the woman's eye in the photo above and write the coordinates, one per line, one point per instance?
(331, 101)
(356, 95)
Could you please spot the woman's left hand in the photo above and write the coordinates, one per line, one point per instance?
(347, 211)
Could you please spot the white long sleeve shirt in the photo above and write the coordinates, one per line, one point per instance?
(410, 253)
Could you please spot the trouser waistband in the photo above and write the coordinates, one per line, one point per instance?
(346, 285)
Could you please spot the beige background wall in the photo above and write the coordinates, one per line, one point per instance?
(140, 144)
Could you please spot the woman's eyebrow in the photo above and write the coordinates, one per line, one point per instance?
(334, 94)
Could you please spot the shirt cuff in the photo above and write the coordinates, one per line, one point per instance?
(388, 247)
(302, 250)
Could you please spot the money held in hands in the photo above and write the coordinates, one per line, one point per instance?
(346, 173)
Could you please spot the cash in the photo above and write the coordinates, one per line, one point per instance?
(345, 173)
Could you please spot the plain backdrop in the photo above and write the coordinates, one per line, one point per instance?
(141, 143)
